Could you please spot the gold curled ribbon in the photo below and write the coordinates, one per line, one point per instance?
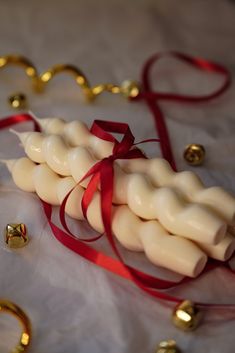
(129, 89)
(16, 311)
(23, 62)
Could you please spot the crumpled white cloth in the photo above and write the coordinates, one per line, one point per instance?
(73, 305)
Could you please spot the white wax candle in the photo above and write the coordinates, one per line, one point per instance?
(194, 221)
(175, 253)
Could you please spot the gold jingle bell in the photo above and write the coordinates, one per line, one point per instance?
(194, 154)
(130, 89)
(186, 316)
(16, 235)
(18, 101)
(168, 346)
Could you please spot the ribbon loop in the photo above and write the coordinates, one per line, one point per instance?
(153, 98)
(103, 171)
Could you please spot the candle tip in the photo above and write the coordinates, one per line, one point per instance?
(13, 131)
(9, 163)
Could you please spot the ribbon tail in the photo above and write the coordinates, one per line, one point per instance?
(106, 184)
(161, 127)
(89, 192)
(17, 119)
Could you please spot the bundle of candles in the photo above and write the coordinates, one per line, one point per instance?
(169, 216)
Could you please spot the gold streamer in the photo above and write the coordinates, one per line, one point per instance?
(128, 88)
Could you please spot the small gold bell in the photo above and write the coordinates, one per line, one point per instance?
(186, 316)
(194, 154)
(130, 89)
(18, 101)
(16, 235)
(168, 346)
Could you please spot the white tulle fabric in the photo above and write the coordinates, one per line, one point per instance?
(74, 306)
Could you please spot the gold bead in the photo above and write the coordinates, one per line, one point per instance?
(18, 101)
(16, 235)
(186, 316)
(130, 89)
(168, 346)
(194, 154)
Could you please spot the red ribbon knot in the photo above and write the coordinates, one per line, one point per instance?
(102, 173)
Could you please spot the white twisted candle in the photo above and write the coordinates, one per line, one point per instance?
(192, 221)
(76, 133)
(172, 252)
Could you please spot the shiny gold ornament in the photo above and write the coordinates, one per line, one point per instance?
(130, 89)
(16, 235)
(186, 316)
(168, 346)
(194, 154)
(18, 101)
(16, 311)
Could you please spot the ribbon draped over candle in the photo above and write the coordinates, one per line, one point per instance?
(102, 173)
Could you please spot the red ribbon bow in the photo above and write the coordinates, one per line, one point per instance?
(102, 173)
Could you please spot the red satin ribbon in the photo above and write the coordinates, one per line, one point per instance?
(153, 98)
(103, 171)
(17, 119)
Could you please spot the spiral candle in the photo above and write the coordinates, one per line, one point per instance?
(194, 221)
(190, 220)
(161, 248)
(76, 133)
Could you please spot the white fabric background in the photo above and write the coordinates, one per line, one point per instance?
(75, 306)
